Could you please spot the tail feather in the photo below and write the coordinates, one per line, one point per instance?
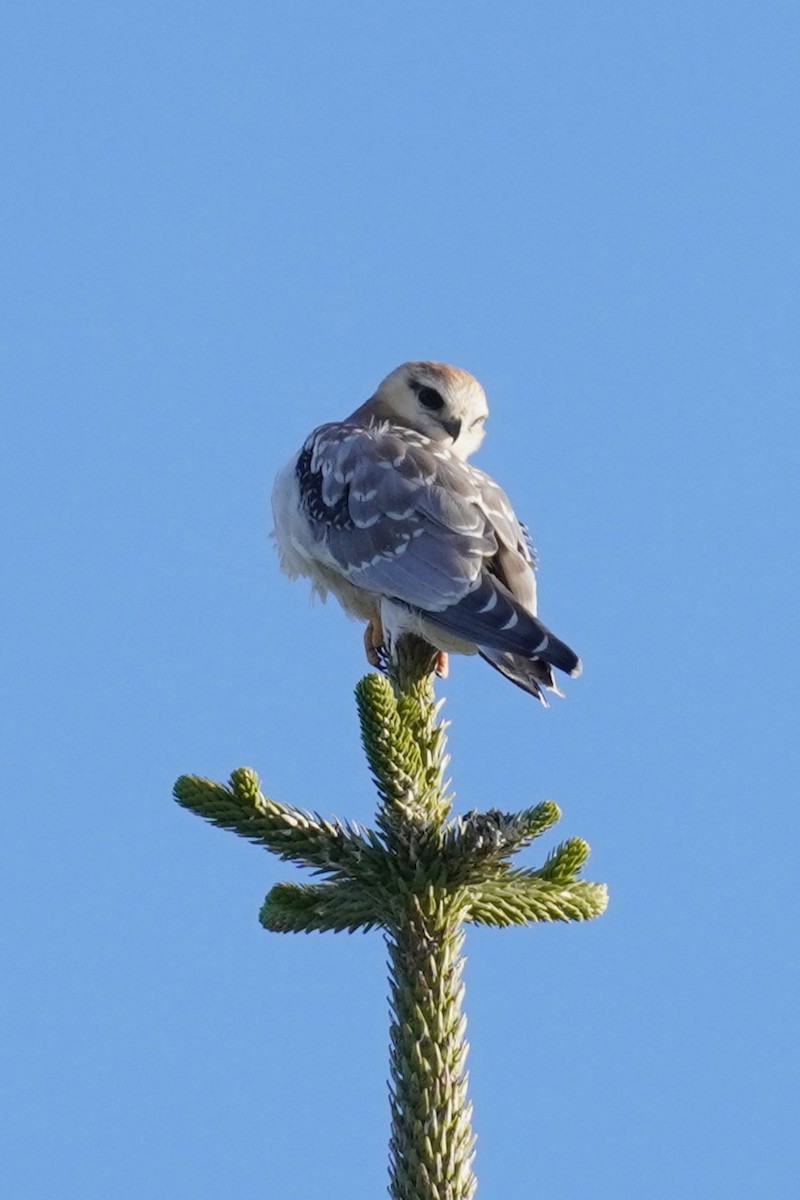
(530, 674)
(506, 633)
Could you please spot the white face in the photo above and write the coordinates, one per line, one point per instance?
(445, 403)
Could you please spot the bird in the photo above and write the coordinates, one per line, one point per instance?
(384, 511)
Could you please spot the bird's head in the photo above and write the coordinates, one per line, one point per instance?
(445, 403)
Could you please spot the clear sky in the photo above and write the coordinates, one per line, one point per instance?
(222, 225)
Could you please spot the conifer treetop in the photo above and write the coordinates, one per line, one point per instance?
(420, 875)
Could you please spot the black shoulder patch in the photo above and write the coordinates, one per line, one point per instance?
(337, 515)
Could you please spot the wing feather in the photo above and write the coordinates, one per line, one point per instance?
(393, 515)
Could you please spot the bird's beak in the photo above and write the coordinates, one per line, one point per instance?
(453, 427)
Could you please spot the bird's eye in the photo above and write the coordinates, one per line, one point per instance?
(430, 398)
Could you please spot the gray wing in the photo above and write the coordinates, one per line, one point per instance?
(398, 515)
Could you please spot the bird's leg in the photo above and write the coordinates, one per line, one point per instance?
(376, 651)
(373, 642)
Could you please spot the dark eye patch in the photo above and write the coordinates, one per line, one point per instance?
(430, 398)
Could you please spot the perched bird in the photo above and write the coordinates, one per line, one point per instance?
(384, 511)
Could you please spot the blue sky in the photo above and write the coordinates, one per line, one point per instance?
(223, 224)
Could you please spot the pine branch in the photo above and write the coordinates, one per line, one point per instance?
(303, 908)
(523, 898)
(565, 862)
(472, 844)
(289, 832)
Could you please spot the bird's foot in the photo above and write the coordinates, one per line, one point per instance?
(441, 664)
(373, 643)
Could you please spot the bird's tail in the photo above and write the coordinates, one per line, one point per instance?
(508, 636)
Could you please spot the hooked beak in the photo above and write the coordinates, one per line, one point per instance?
(453, 427)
